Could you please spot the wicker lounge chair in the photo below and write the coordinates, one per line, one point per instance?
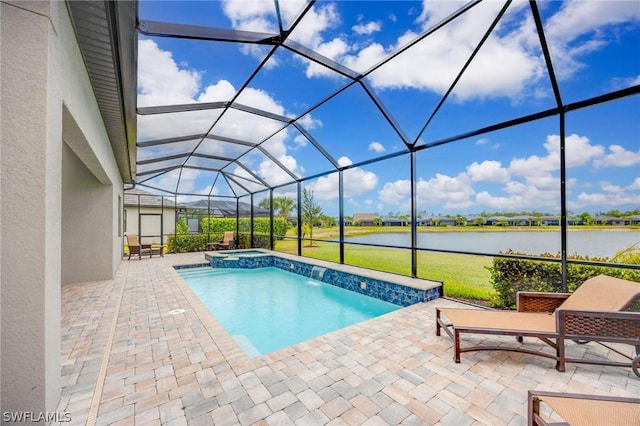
(594, 312)
(575, 409)
(136, 248)
(227, 242)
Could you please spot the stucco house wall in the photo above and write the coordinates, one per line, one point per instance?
(60, 188)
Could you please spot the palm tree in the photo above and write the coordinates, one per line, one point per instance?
(282, 206)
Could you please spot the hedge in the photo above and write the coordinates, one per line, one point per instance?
(508, 276)
(187, 243)
(260, 225)
(216, 228)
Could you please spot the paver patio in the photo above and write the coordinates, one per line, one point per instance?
(130, 355)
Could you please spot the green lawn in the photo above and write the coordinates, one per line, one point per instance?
(463, 275)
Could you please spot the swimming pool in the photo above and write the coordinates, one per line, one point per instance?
(268, 309)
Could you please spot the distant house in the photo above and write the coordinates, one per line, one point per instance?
(364, 219)
(471, 217)
(524, 220)
(150, 216)
(549, 221)
(609, 220)
(632, 220)
(574, 220)
(393, 221)
(439, 221)
(494, 220)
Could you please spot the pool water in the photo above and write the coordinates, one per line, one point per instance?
(267, 309)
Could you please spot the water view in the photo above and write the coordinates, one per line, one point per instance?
(605, 243)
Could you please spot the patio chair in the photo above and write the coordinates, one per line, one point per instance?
(595, 312)
(576, 409)
(135, 247)
(226, 243)
(157, 248)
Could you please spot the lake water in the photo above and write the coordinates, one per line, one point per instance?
(604, 243)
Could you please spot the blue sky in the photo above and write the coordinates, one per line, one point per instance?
(595, 49)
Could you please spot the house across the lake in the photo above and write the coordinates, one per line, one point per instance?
(394, 221)
(364, 219)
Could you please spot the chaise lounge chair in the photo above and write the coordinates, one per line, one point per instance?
(594, 312)
(135, 247)
(575, 409)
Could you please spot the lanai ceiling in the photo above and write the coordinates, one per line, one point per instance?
(280, 102)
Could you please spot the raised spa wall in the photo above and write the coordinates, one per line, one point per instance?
(398, 294)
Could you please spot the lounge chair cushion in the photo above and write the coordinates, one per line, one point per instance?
(514, 321)
(593, 412)
(602, 293)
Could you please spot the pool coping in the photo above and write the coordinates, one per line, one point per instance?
(416, 283)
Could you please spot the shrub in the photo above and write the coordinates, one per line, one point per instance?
(186, 243)
(259, 241)
(508, 276)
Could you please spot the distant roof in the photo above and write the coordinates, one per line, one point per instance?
(364, 216)
(138, 197)
(393, 219)
(226, 208)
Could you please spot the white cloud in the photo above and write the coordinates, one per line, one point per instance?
(163, 82)
(333, 49)
(300, 141)
(509, 62)
(395, 193)
(242, 13)
(578, 28)
(611, 195)
(579, 152)
(376, 147)
(356, 181)
(529, 183)
(522, 197)
(503, 67)
(308, 122)
(169, 181)
(367, 29)
(487, 171)
(160, 81)
(453, 193)
(315, 22)
(618, 83)
(618, 157)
